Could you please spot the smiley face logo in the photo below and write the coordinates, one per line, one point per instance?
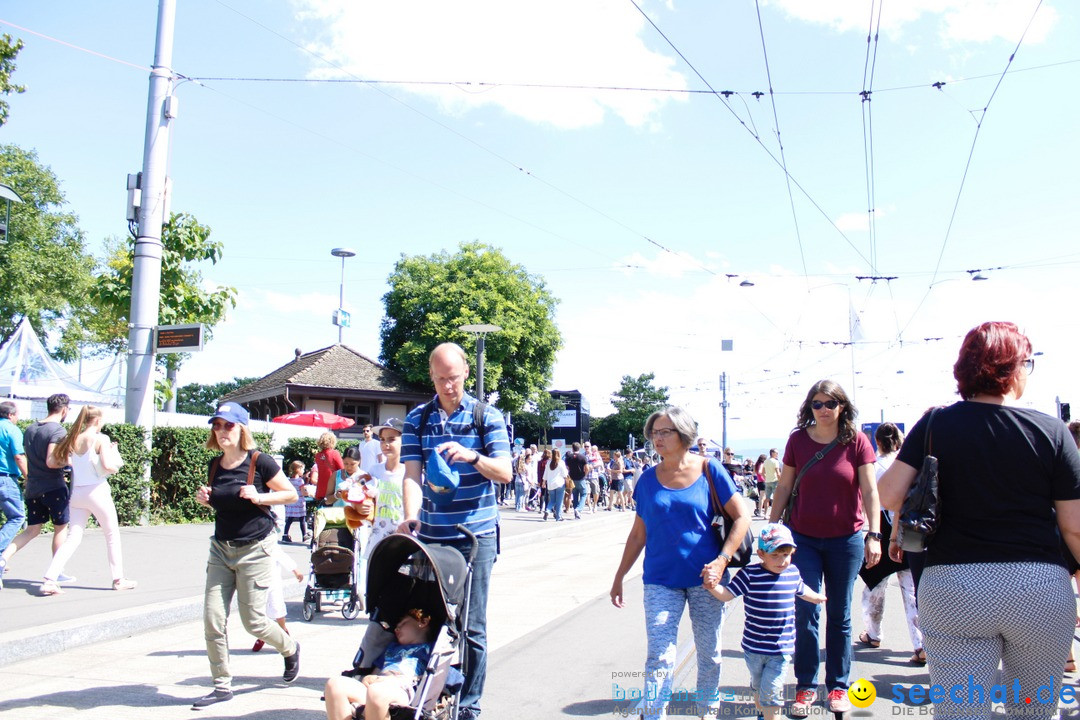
(862, 694)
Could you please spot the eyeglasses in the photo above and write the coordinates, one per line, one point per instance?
(831, 404)
(663, 433)
(226, 426)
(1029, 365)
(448, 381)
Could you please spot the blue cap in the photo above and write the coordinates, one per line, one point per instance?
(441, 478)
(232, 412)
(773, 537)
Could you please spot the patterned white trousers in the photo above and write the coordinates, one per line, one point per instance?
(873, 607)
(975, 616)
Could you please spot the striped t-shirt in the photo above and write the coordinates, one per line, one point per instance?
(770, 608)
(473, 504)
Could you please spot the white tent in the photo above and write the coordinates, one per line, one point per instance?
(27, 371)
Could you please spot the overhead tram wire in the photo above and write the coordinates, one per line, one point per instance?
(869, 65)
(485, 86)
(721, 97)
(477, 144)
(967, 167)
(780, 143)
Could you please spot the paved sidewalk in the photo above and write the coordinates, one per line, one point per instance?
(169, 563)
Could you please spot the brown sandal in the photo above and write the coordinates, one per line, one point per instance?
(865, 639)
(1070, 666)
(918, 657)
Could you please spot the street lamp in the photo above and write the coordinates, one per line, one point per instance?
(481, 332)
(341, 318)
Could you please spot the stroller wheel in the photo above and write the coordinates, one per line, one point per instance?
(350, 610)
(309, 611)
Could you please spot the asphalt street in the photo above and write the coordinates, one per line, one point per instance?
(558, 647)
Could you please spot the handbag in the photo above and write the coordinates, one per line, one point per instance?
(785, 515)
(109, 454)
(569, 484)
(921, 511)
(723, 524)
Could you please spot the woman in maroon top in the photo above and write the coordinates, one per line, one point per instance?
(835, 504)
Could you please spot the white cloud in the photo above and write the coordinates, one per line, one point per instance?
(960, 20)
(560, 42)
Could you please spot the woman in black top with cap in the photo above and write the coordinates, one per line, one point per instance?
(242, 483)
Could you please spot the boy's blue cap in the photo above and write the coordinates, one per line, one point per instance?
(441, 478)
(232, 412)
(773, 537)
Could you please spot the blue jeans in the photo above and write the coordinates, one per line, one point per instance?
(837, 560)
(582, 490)
(11, 504)
(476, 637)
(519, 495)
(767, 675)
(555, 501)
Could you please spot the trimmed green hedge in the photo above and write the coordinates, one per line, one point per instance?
(178, 466)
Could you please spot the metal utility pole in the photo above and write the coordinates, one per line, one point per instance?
(146, 276)
(724, 406)
(481, 331)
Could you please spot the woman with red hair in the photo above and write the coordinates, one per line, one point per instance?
(995, 589)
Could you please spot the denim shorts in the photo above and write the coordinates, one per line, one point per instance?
(767, 675)
(53, 505)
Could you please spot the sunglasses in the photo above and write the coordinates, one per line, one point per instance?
(226, 426)
(831, 404)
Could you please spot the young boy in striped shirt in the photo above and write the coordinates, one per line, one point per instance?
(769, 590)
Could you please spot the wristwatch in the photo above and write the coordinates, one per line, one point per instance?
(873, 536)
(725, 556)
(476, 458)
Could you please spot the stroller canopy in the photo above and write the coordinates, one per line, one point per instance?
(399, 558)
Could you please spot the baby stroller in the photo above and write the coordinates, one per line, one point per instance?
(335, 564)
(405, 573)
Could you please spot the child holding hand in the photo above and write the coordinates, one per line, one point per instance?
(769, 590)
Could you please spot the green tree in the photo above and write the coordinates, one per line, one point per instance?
(183, 300)
(9, 49)
(634, 401)
(197, 399)
(45, 271)
(430, 297)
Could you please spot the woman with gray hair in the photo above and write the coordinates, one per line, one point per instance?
(673, 525)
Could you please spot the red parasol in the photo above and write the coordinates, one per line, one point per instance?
(315, 418)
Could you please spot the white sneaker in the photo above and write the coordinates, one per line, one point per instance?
(62, 578)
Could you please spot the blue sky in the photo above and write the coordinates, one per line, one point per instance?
(634, 204)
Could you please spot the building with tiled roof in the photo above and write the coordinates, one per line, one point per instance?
(335, 379)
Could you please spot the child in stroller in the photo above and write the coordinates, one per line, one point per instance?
(397, 671)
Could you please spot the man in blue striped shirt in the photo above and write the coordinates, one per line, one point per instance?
(433, 510)
(769, 590)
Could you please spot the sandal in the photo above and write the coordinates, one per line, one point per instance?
(1070, 666)
(124, 584)
(49, 587)
(865, 639)
(918, 657)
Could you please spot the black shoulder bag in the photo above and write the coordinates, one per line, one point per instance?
(785, 516)
(723, 524)
(921, 511)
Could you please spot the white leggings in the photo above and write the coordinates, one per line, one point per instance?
(87, 500)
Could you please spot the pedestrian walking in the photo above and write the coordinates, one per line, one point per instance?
(242, 482)
(995, 590)
(673, 526)
(12, 467)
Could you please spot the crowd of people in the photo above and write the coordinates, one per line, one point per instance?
(993, 588)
